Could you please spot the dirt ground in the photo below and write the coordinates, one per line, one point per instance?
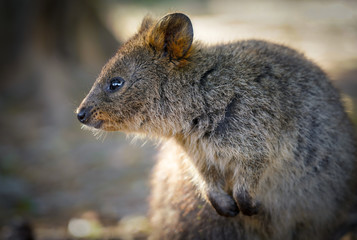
(60, 178)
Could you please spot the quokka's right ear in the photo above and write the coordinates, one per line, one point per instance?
(172, 35)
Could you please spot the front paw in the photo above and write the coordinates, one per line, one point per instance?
(223, 203)
(245, 203)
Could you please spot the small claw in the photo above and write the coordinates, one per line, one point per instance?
(223, 203)
(246, 204)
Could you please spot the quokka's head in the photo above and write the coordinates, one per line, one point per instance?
(127, 96)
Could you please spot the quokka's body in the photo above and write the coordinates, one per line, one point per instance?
(255, 130)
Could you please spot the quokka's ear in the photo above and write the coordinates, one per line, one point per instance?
(147, 22)
(172, 35)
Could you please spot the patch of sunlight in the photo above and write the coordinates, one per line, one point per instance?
(86, 226)
(347, 103)
(133, 225)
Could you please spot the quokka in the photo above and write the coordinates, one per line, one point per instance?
(252, 128)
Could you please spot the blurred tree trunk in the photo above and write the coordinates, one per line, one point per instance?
(62, 28)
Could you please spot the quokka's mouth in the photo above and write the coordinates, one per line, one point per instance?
(88, 117)
(98, 124)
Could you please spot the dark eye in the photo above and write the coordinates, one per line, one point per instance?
(115, 84)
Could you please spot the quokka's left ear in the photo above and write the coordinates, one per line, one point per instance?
(147, 22)
(172, 35)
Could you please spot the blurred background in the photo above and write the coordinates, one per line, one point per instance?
(64, 182)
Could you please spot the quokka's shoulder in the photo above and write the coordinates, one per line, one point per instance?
(255, 49)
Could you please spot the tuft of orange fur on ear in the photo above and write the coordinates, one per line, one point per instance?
(156, 39)
(173, 36)
(147, 22)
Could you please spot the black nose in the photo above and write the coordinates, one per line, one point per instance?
(84, 114)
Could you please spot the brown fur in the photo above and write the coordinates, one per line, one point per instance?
(258, 131)
(173, 35)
